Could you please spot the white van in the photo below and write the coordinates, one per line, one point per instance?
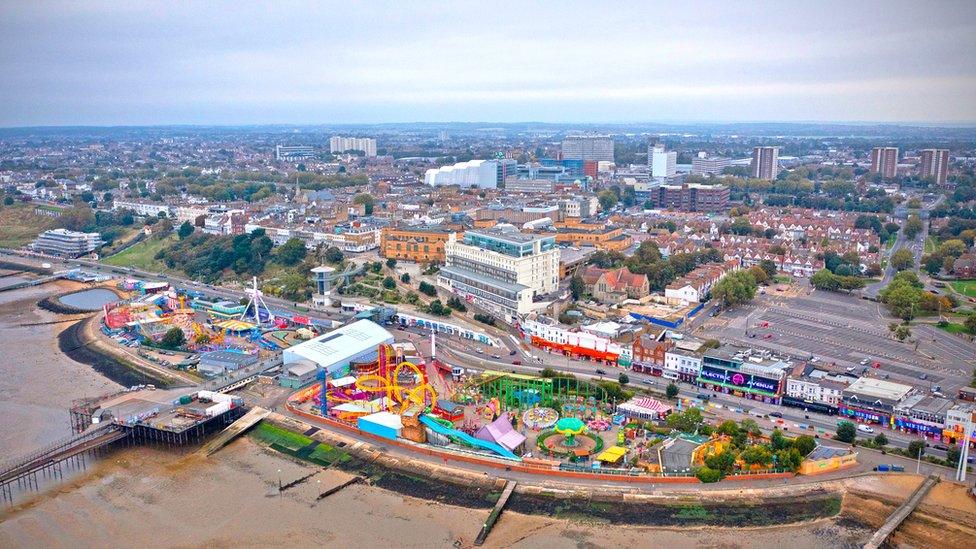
(865, 429)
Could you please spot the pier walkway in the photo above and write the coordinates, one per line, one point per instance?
(493, 517)
(900, 514)
(234, 430)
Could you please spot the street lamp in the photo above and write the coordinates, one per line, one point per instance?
(279, 482)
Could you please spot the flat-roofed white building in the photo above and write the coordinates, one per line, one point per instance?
(334, 351)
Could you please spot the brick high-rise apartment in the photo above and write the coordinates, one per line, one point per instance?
(884, 160)
(935, 164)
(765, 162)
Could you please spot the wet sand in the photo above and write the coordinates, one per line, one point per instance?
(152, 498)
(38, 382)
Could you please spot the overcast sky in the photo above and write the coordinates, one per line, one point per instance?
(133, 62)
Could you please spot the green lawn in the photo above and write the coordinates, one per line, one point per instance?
(965, 287)
(20, 225)
(891, 241)
(953, 328)
(141, 255)
(931, 244)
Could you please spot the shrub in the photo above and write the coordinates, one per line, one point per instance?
(708, 475)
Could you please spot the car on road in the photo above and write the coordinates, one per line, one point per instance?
(496, 357)
(923, 376)
(517, 362)
(865, 429)
(702, 396)
(864, 362)
(601, 372)
(768, 336)
(775, 414)
(478, 350)
(512, 353)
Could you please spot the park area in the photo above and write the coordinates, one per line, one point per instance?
(965, 287)
(141, 255)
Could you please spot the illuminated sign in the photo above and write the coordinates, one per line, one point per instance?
(739, 379)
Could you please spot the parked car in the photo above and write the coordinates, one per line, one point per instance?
(517, 362)
(511, 353)
(775, 414)
(600, 372)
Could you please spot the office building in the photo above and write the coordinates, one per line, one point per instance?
(293, 153)
(884, 160)
(595, 148)
(709, 165)
(935, 164)
(421, 244)
(65, 243)
(344, 144)
(529, 186)
(485, 174)
(689, 197)
(765, 162)
(663, 163)
(571, 168)
(501, 269)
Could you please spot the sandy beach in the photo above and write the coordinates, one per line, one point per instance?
(154, 498)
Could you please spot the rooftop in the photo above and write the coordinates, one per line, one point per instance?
(341, 344)
(879, 388)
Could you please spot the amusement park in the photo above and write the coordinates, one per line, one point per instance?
(359, 379)
(218, 335)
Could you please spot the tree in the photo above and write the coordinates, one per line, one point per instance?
(952, 248)
(953, 454)
(756, 455)
(457, 304)
(8, 201)
(367, 201)
(777, 440)
(913, 226)
(881, 440)
(376, 267)
(916, 448)
(846, 432)
(825, 280)
(902, 332)
(333, 255)
(389, 283)
(970, 324)
(789, 459)
(623, 379)
(405, 278)
(723, 462)
(576, 287)
(902, 259)
(607, 200)
(438, 308)
(294, 286)
(391, 263)
(186, 229)
(671, 391)
(708, 475)
(735, 288)
(174, 339)
(688, 421)
(427, 288)
(769, 267)
(750, 426)
(758, 274)
(291, 252)
(740, 226)
(728, 427)
(804, 444)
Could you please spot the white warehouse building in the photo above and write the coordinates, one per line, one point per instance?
(478, 173)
